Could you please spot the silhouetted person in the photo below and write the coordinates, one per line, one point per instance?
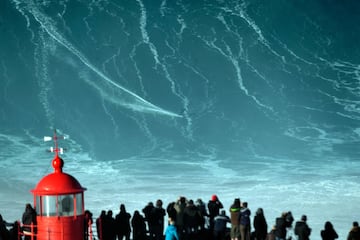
(147, 210)
(280, 227)
(220, 222)
(28, 218)
(179, 221)
(214, 206)
(260, 225)
(110, 226)
(14, 231)
(88, 221)
(354, 233)
(234, 218)
(302, 230)
(202, 208)
(100, 225)
(4, 232)
(192, 221)
(123, 223)
(329, 232)
(171, 211)
(138, 226)
(289, 219)
(171, 232)
(158, 214)
(244, 219)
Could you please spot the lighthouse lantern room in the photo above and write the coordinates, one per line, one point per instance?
(59, 203)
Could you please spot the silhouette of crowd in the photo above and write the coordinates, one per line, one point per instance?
(189, 220)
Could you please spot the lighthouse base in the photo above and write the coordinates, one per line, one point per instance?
(60, 228)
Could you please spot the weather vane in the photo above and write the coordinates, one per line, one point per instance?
(55, 138)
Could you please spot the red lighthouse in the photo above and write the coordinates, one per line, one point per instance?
(59, 203)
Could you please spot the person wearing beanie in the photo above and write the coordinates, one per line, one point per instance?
(214, 206)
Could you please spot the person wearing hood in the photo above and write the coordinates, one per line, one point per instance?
(244, 219)
(29, 218)
(138, 226)
(260, 225)
(354, 233)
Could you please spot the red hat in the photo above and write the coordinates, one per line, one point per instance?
(214, 198)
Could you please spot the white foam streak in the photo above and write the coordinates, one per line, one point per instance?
(177, 92)
(242, 13)
(41, 60)
(228, 54)
(138, 104)
(163, 8)
(352, 107)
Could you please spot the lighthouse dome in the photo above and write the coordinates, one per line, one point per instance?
(57, 182)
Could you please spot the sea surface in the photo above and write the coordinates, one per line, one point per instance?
(258, 100)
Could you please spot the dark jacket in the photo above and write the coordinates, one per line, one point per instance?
(260, 226)
(245, 217)
(123, 222)
(354, 234)
(4, 233)
(28, 217)
(214, 208)
(192, 217)
(180, 207)
(280, 229)
(220, 223)
(302, 230)
(329, 232)
(158, 214)
(138, 226)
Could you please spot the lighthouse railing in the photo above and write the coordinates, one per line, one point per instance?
(33, 233)
(21, 232)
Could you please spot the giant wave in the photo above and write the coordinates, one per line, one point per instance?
(250, 99)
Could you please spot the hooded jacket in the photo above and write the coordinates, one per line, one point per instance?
(245, 216)
(171, 233)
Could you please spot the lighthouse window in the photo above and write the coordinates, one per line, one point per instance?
(66, 205)
(79, 204)
(49, 206)
(38, 204)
